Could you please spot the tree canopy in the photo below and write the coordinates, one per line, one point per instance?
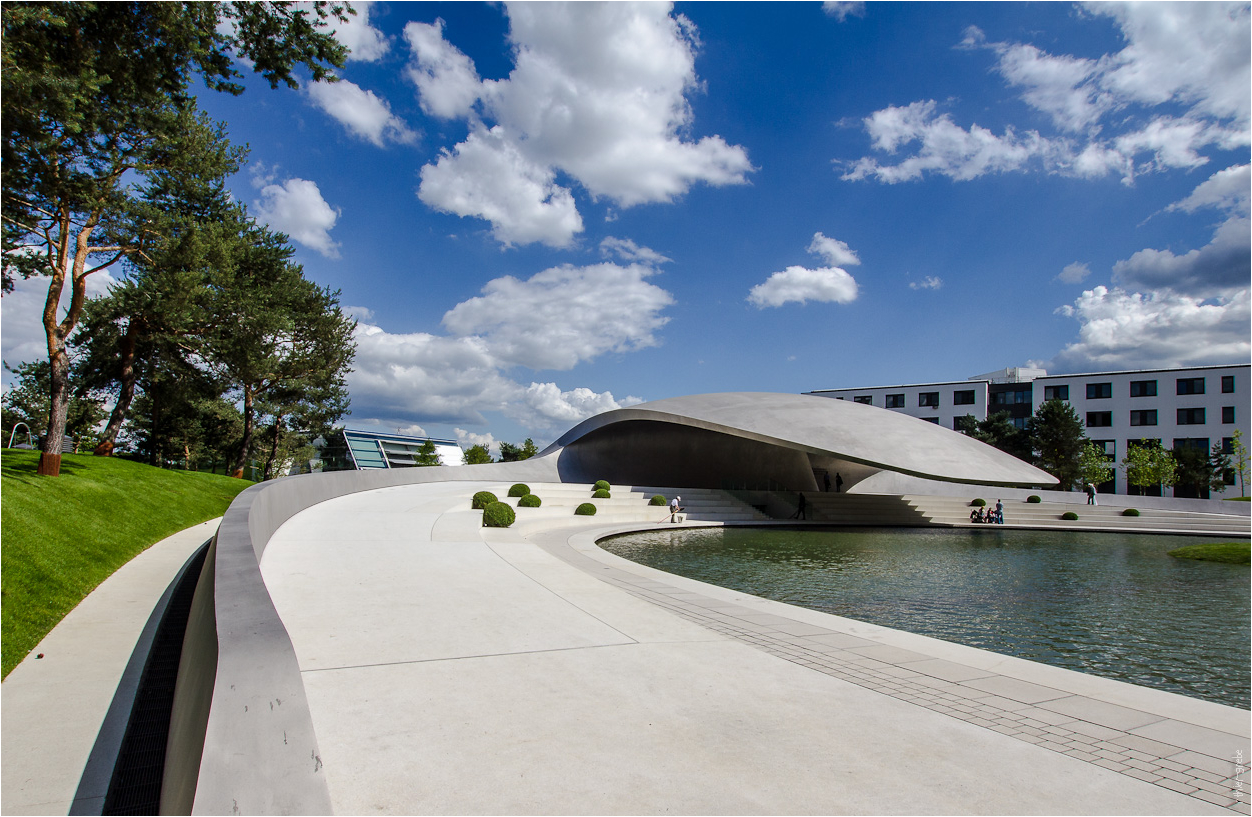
(1057, 437)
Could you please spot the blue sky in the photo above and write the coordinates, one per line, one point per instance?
(539, 212)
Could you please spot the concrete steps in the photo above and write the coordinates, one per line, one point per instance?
(861, 509)
(627, 504)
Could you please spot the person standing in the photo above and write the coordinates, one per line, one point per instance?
(826, 481)
(838, 482)
(674, 507)
(999, 512)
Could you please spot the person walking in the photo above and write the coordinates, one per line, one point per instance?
(800, 512)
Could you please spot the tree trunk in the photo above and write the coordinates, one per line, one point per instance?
(50, 458)
(246, 445)
(124, 397)
(269, 462)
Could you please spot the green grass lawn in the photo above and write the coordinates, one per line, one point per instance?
(62, 536)
(1235, 553)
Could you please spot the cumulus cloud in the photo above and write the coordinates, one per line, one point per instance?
(1220, 266)
(364, 114)
(469, 438)
(800, 284)
(1074, 273)
(1192, 57)
(564, 315)
(364, 42)
(296, 207)
(843, 9)
(836, 252)
(598, 92)
(628, 250)
(545, 405)
(1225, 190)
(929, 282)
(447, 83)
(1127, 330)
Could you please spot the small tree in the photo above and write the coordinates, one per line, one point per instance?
(999, 432)
(1148, 464)
(1194, 469)
(1056, 435)
(1239, 459)
(1094, 466)
(1219, 463)
(513, 453)
(477, 455)
(426, 454)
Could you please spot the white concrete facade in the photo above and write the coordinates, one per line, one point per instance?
(1212, 405)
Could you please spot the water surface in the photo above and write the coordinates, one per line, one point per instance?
(1103, 603)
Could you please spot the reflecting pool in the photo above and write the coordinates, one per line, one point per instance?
(1103, 603)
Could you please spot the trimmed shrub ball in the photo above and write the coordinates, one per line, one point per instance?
(1034, 499)
(978, 503)
(657, 500)
(601, 493)
(1069, 515)
(498, 515)
(602, 485)
(585, 509)
(482, 499)
(529, 501)
(519, 489)
(1130, 512)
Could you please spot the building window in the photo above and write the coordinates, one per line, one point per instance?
(963, 398)
(1109, 447)
(1056, 392)
(1143, 388)
(1228, 445)
(1191, 417)
(864, 399)
(934, 420)
(1191, 385)
(1228, 414)
(1010, 398)
(1145, 417)
(928, 399)
(1099, 419)
(1228, 384)
(895, 401)
(1097, 391)
(1019, 422)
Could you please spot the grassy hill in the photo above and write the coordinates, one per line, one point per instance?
(61, 536)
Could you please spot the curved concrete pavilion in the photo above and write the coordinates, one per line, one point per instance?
(760, 440)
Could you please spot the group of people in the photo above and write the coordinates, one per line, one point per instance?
(991, 516)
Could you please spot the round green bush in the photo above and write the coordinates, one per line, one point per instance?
(601, 493)
(585, 509)
(1033, 499)
(657, 500)
(1130, 512)
(482, 499)
(498, 515)
(978, 503)
(602, 485)
(520, 489)
(529, 501)
(1069, 515)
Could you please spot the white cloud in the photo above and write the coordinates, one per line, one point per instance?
(1219, 267)
(929, 282)
(296, 207)
(468, 439)
(836, 252)
(361, 111)
(366, 43)
(488, 177)
(545, 406)
(825, 284)
(1055, 85)
(628, 250)
(447, 83)
(564, 315)
(1124, 330)
(1074, 273)
(843, 9)
(360, 313)
(1226, 190)
(597, 92)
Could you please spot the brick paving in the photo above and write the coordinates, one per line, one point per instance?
(1010, 706)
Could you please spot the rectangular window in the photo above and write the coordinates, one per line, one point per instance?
(1145, 417)
(1228, 445)
(1056, 392)
(1020, 422)
(864, 399)
(895, 401)
(928, 399)
(963, 398)
(1191, 385)
(1109, 447)
(1010, 398)
(1191, 417)
(934, 420)
(1097, 391)
(1228, 384)
(1143, 388)
(1228, 414)
(1099, 419)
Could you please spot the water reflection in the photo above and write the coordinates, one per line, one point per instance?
(1108, 604)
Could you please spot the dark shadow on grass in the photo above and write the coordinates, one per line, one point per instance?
(23, 465)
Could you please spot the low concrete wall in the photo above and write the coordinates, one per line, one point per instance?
(241, 737)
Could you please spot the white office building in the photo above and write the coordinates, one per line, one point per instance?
(1200, 406)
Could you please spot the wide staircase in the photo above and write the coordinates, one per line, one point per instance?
(954, 512)
(627, 504)
(861, 509)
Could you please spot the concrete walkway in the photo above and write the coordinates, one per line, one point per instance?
(455, 669)
(54, 707)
